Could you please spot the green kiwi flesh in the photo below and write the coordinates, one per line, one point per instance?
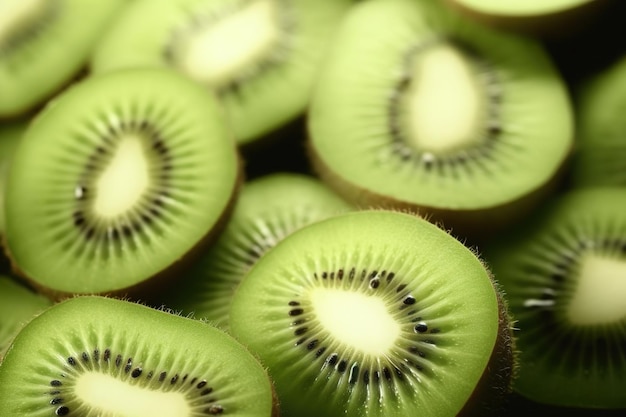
(265, 73)
(564, 273)
(600, 154)
(116, 181)
(42, 47)
(419, 108)
(10, 135)
(94, 356)
(268, 209)
(375, 313)
(18, 305)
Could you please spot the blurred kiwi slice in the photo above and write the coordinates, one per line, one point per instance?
(564, 273)
(42, 47)
(117, 181)
(10, 135)
(376, 313)
(97, 356)
(260, 56)
(268, 209)
(419, 108)
(600, 154)
(553, 18)
(18, 305)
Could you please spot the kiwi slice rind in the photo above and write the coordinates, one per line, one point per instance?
(268, 209)
(563, 271)
(42, 48)
(260, 56)
(94, 355)
(388, 126)
(376, 313)
(117, 181)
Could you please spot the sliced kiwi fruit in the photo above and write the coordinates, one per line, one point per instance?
(260, 56)
(10, 134)
(564, 273)
(18, 305)
(98, 356)
(118, 181)
(42, 47)
(376, 313)
(419, 108)
(545, 18)
(600, 155)
(268, 209)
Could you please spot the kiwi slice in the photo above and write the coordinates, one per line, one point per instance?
(260, 56)
(268, 209)
(552, 18)
(419, 108)
(18, 305)
(564, 273)
(600, 155)
(376, 313)
(117, 181)
(97, 356)
(42, 47)
(10, 134)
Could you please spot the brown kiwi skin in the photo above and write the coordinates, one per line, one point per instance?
(556, 25)
(152, 289)
(475, 227)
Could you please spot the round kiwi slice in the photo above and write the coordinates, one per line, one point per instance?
(419, 108)
(260, 56)
(268, 209)
(537, 17)
(42, 47)
(18, 305)
(96, 356)
(600, 154)
(376, 313)
(564, 273)
(117, 181)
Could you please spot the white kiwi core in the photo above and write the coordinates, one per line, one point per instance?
(233, 44)
(358, 320)
(16, 13)
(443, 106)
(115, 398)
(124, 180)
(600, 294)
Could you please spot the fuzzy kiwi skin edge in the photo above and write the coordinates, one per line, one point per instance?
(474, 226)
(555, 25)
(151, 289)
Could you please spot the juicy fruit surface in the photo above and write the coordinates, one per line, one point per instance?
(369, 314)
(125, 359)
(363, 114)
(265, 74)
(565, 276)
(128, 179)
(31, 68)
(268, 209)
(521, 7)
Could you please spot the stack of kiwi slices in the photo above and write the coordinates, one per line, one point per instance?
(355, 208)
(419, 108)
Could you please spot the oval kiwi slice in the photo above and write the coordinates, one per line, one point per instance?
(268, 209)
(95, 356)
(417, 107)
(42, 47)
(375, 313)
(564, 273)
(117, 180)
(260, 56)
